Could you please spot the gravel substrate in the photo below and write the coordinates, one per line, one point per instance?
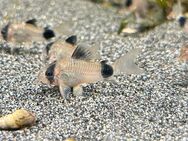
(151, 106)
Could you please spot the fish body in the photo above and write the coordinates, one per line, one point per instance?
(74, 72)
(70, 73)
(47, 76)
(25, 32)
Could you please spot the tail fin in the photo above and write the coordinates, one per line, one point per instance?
(126, 64)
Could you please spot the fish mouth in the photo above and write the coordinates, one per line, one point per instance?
(4, 31)
(50, 79)
(48, 83)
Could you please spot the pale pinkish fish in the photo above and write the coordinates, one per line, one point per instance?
(59, 49)
(70, 73)
(25, 32)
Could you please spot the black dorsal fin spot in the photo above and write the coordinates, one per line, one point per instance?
(50, 72)
(48, 33)
(48, 47)
(4, 32)
(81, 53)
(32, 22)
(72, 40)
(106, 70)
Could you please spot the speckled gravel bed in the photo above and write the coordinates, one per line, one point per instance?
(151, 106)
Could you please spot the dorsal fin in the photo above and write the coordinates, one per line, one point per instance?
(32, 22)
(82, 53)
(72, 40)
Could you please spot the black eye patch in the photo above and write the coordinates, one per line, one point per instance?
(50, 72)
(4, 31)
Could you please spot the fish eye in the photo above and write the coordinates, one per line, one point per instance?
(49, 73)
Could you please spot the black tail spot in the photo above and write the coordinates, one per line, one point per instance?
(106, 70)
(48, 33)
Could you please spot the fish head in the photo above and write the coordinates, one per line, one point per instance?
(47, 75)
(59, 49)
(5, 32)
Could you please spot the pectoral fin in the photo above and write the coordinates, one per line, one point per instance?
(78, 90)
(65, 91)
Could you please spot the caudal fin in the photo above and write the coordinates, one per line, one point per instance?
(126, 63)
